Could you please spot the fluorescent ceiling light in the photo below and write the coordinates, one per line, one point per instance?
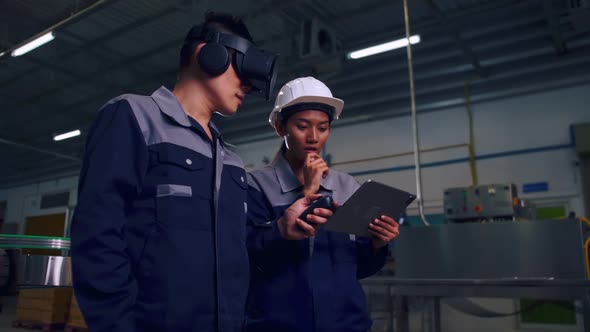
(2, 54)
(392, 45)
(33, 44)
(67, 135)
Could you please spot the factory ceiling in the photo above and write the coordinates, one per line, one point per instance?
(106, 48)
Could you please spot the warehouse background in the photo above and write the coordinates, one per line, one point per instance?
(521, 69)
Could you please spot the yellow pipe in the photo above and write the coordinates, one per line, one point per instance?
(467, 92)
(587, 251)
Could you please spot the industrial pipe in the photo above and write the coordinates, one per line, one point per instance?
(419, 198)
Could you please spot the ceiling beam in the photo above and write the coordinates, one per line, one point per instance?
(553, 26)
(103, 53)
(68, 20)
(90, 45)
(455, 34)
(97, 80)
(431, 54)
(101, 71)
(39, 150)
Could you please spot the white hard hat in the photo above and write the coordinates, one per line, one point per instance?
(304, 90)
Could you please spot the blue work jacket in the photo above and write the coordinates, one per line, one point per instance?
(158, 235)
(309, 285)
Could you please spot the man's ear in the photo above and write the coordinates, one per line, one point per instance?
(280, 129)
(197, 52)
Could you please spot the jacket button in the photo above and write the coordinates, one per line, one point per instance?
(188, 161)
(242, 178)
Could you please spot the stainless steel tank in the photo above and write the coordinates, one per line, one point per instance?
(38, 270)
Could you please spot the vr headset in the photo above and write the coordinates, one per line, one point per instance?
(254, 66)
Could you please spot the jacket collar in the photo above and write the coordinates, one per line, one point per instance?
(169, 105)
(287, 179)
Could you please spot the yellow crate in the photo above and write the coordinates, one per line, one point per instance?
(53, 293)
(44, 316)
(53, 317)
(26, 314)
(76, 318)
(46, 305)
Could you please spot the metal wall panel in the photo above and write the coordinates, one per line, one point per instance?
(540, 249)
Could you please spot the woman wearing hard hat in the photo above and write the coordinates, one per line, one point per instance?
(304, 278)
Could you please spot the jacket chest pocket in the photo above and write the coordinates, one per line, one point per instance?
(183, 189)
(240, 182)
(234, 200)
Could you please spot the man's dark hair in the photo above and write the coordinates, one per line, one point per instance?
(221, 22)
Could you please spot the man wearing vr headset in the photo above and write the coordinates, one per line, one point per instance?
(158, 235)
(304, 278)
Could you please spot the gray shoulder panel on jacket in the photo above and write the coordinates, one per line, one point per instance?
(265, 180)
(345, 185)
(157, 128)
(231, 158)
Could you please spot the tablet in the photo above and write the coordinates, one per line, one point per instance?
(366, 204)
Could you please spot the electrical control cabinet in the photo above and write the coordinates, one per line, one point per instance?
(493, 201)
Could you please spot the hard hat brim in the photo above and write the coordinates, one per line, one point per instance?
(337, 103)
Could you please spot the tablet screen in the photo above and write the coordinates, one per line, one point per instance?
(371, 200)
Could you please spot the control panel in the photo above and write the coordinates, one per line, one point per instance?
(493, 201)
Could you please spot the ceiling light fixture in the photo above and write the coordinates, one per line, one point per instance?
(33, 44)
(67, 135)
(392, 45)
